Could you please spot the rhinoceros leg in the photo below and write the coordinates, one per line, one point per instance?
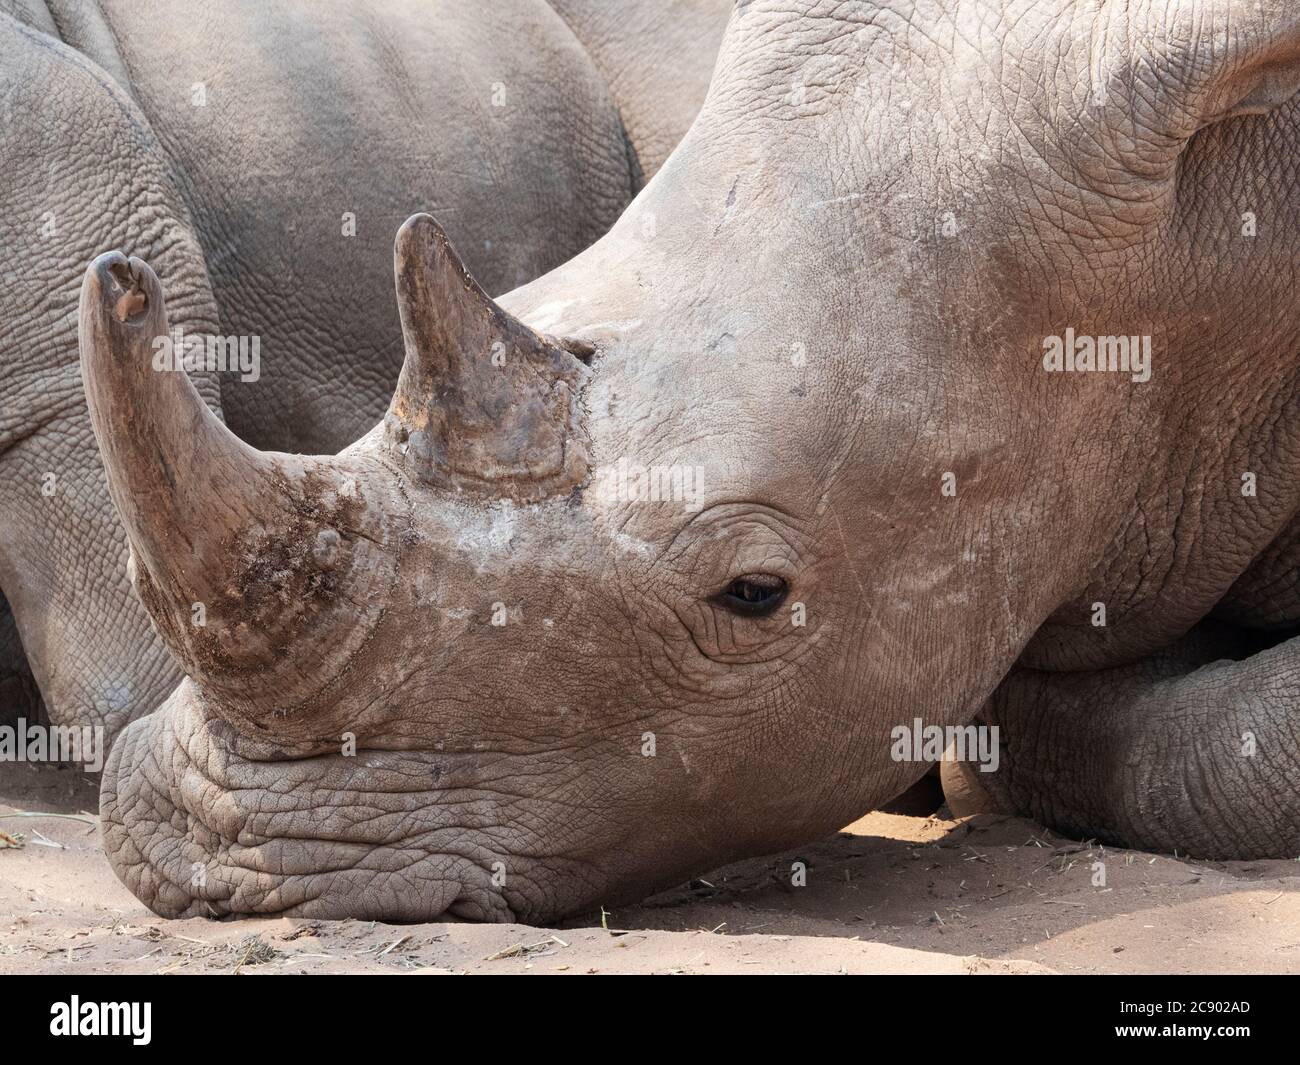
(1194, 750)
(19, 697)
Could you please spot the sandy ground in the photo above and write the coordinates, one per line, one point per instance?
(891, 894)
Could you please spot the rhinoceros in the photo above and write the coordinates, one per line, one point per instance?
(649, 560)
(261, 154)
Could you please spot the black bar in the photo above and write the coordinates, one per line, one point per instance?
(336, 1013)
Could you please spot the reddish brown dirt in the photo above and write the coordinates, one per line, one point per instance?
(891, 893)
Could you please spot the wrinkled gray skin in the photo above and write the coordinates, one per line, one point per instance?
(80, 172)
(789, 305)
(498, 118)
(656, 57)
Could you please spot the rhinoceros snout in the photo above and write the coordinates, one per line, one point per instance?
(190, 828)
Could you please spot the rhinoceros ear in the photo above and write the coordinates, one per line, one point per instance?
(1197, 62)
(484, 404)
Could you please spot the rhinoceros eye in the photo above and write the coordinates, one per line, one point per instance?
(754, 594)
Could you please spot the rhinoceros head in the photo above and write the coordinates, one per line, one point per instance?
(647, 562)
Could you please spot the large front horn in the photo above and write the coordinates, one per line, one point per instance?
(484, 404)
(263, 572)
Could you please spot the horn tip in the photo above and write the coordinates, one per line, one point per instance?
(125, 290)
(419, 232)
